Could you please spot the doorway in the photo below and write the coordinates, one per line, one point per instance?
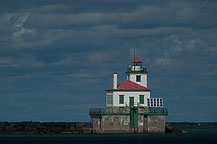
(133, 114)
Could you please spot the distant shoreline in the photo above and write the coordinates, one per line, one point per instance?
(29, 127)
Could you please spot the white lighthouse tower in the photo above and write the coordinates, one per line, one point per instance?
(137, 73)
(129, 106)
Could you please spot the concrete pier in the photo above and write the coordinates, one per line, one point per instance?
(123, 120)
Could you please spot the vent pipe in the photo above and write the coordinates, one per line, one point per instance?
(115, 80)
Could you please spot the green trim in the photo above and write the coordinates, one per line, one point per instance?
(157, 113)
(121, 99)
(151, 111)
(131, 100)
(143, 114)
(127, 114)
(110, 114)
(134, 117)
(141, 99)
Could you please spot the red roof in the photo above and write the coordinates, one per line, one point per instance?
(137, 60)
(129, 85)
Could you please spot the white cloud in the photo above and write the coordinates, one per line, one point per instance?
(20, 29)
(21, 20)
(21, 32)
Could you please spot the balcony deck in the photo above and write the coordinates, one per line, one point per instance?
(126, 111)
(140, 70)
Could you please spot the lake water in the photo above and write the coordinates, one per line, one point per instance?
(193, 133)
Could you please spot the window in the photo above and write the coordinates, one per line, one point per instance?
(148, 102)
(109, 99)
(138, 78)
(161, 102)
(157, 102)
(141, 99)
(121, 99)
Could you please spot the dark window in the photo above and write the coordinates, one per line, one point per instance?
(141, 99)
(148, 102)
(109, 99)
(138, 78)
(121, 99)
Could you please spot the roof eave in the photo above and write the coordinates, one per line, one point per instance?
(128, 90)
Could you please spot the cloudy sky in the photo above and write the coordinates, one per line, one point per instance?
(57, 57)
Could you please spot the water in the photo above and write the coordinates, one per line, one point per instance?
(193, 133)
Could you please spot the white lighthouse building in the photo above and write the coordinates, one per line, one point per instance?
(134, 91)
(129, 106)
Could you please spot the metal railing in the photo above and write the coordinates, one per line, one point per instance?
(151, 110)
(137, 70)
(157, 110)
(97, 110)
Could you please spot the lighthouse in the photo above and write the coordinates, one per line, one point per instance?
(129, 106)
(134, 91)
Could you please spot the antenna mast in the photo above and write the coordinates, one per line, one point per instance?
(134, 53)
(134, 58)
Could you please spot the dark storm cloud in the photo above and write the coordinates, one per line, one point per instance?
(46, 24)
(187, 14)
(54, 51)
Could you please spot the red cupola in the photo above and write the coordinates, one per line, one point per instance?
(136, 60)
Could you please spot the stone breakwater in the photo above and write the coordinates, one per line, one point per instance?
(55, 128)
(45, 127)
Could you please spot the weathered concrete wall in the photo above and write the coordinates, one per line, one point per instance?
(140, 123)
(111, 124)
(121, 124)
(117, 120)
(156, 123)
(145, 124)
(96, 121)
(115, 123)
(45, 127)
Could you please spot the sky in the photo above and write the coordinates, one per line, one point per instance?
(57, 57)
